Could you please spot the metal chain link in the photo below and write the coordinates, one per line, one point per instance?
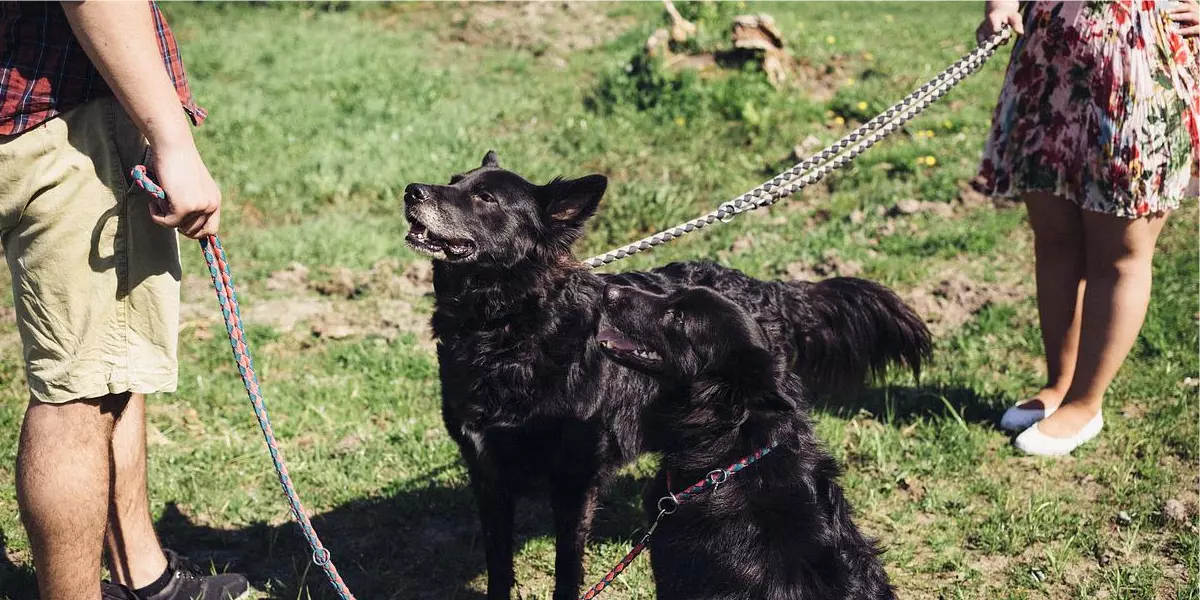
(831, 158)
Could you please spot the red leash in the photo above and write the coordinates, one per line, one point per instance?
(667, 505)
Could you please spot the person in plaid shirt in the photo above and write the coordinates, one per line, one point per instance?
(86, 90)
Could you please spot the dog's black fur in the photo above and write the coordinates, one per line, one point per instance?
(526, 392)
(779, 529)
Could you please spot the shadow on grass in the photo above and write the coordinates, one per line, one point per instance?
(16, 583)
(901, 405)
(423, 543)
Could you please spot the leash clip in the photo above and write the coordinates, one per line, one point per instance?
(672, 505)
(716, 477)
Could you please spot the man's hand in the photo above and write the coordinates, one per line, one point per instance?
(1186, 14)
(193, 204)
(996, 15)
(119, 38)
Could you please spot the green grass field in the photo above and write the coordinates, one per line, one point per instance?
(322, 114)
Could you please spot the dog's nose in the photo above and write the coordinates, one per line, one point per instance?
(416, 192)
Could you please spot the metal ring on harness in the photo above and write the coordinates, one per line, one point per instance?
(673, 504)
(717, 477)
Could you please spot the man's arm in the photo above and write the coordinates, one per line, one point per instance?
(119, 38)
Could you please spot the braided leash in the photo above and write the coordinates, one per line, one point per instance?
(669, 504)
(218, 268)
(833, 157)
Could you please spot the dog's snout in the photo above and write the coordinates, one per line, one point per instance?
(416, 192)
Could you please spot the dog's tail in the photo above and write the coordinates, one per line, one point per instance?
(854, 330)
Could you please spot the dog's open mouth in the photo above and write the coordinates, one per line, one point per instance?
(420, 239)
(622, 346)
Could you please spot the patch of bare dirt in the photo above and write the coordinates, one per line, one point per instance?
(385, 279)
(956, 297)
(325, 303)
(1175, 511)
(821, 81)
(831, 264)
(545, 29)
(285, 314)
(912, 207)
(291, 279)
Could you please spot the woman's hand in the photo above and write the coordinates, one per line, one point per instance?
(1186, 14)
(999, 13)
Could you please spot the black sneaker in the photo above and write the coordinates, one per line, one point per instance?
(184, 580)
(115, 591)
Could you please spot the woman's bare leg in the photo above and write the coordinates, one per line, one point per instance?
(1120, 253)
(1058, 235)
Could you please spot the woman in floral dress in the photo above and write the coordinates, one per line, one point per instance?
(1096, 130)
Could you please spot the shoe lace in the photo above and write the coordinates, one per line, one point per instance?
(185, 566)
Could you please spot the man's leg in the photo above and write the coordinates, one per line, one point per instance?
(64, 477)
(134, 555)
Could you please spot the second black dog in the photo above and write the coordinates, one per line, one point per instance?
(779, 529)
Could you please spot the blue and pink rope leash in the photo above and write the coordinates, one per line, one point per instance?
(218, 268)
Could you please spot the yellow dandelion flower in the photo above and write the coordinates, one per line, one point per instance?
(849, 81)
(862, 106)
(829, 39)
(680, 121)
(930, 161)
(839, 121)
(867, 56)
(929, 133)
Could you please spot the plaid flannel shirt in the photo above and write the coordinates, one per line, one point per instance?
(45, 72)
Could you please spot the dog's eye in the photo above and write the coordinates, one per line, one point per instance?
(485, 197)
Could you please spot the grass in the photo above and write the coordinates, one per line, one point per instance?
(322, 112)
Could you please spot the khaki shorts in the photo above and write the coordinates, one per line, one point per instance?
(95, 281)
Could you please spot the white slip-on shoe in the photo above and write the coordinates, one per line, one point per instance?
(1018, 418)
(1033, 441)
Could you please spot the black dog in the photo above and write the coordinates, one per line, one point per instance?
(778, 529)
(526, 391)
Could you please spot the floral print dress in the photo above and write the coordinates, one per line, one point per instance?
(1100, 106)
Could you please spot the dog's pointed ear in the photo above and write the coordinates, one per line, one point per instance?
(572, 201)
(491, 160)
(762, 384)
(768, 397)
